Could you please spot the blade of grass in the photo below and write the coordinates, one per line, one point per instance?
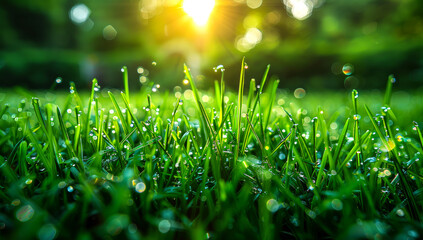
(271, 101)
(413, 209)
(388, 91)
(90, 103)
(282, 142)
(239, 114)
(341, 140)
(119, 113)
(65, 134)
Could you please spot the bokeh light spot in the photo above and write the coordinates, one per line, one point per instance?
(301, 10)
(299, 93)
(199, 10)
(254, 3)
(79, 13)
(272, 205)
(25, 213)
(164, 226)
(47, 232)
(109, 32)
(140, 187)
(351, 82)
(337, 204)
(253, 36)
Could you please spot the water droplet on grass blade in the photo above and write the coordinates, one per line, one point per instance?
(222, 69)
(399, 137)
(357, 117)
(392, 79)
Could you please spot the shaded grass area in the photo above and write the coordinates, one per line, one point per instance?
(198, 165)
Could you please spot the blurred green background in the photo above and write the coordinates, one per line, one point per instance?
(307, 42)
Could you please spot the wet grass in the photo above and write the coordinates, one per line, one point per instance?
(186, 165)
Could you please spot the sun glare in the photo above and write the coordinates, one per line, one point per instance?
(199, 10)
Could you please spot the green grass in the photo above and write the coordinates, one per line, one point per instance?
(266, 165)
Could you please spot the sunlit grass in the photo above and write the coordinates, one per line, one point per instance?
(270, 164)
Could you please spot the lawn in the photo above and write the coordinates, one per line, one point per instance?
(257, 163)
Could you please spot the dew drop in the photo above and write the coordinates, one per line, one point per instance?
(140, 187)
(392, 79)
(348, 69)
(400, 212)
(70, 189)
(222, 69)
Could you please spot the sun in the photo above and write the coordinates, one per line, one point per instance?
(199, 10)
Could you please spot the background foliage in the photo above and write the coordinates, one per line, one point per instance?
(40, 42)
